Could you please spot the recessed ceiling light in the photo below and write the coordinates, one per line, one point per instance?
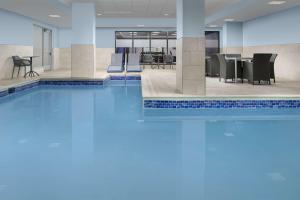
(229, 20)
(140, 25)
(276, 2)
(54, 16)
(213, 26)
(99, 14)
(166, 14)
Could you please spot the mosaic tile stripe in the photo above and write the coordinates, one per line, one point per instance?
(128, 78)
(25, 87)
(71, 82)
(3, 93)
(223, 104)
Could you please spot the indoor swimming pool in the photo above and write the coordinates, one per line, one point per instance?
(98, 143)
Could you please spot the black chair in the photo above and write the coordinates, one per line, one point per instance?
(213, 66)
(19, 63)
(272, 64)
(259, 69)
(168, 60)
(227, 68)
(147, 59)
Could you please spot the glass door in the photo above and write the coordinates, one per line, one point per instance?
(42, 48)
(47, 49)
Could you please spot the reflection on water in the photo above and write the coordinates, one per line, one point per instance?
(91, 143)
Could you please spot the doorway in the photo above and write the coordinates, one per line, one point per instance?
(42, 47)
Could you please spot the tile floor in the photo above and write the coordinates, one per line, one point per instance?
(162, 84)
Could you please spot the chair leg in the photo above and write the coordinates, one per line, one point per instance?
(19, 72)
(12, 76)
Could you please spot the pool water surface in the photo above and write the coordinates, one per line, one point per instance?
(97, 143)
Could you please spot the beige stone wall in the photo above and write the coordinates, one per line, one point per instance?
(190, 69)
(103, 57)
(83, 60)
(287, 65)
(62, 58)
(6, 63)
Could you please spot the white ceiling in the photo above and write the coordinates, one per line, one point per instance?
(216, 10)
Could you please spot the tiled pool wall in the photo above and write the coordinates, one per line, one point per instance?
(220, 104)
(99, 82)
(166, 104)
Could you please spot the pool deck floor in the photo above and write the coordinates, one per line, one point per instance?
(161, 84)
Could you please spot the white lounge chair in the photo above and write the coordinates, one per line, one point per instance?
(116, 63)
(133, 64)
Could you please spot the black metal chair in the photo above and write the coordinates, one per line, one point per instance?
(227, 68)
(147, 59)
(168, 60)
(259, 69)
(272, 65)
(19, 63)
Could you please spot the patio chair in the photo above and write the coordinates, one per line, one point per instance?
(116, 63)
(227, 68)
(133, 64)
(259, 70)
(19, 63)
(168, 60)
(272, 65)
(148, 59)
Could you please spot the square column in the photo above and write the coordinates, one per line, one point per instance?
(190, 70)
(83, 46)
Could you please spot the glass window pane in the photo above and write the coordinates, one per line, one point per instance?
(159, 41)
(123, 39)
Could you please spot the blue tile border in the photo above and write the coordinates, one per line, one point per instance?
(127, 78)
(25, 87)
(3, 93)
(71, 82)
(220, 104)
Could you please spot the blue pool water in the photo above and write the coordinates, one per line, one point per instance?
(97, 143)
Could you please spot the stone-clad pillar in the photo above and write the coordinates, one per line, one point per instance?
(190, 70)
(83, 40)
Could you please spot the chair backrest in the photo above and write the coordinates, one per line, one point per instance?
(168, 58)
(117, 59)
(133, 59)
(273, 58)
(261, 66)
(17, 60)
(222, 61)
(147, 58)
(215, 65)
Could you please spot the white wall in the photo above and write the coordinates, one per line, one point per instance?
(277, 33)
(17, 38)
